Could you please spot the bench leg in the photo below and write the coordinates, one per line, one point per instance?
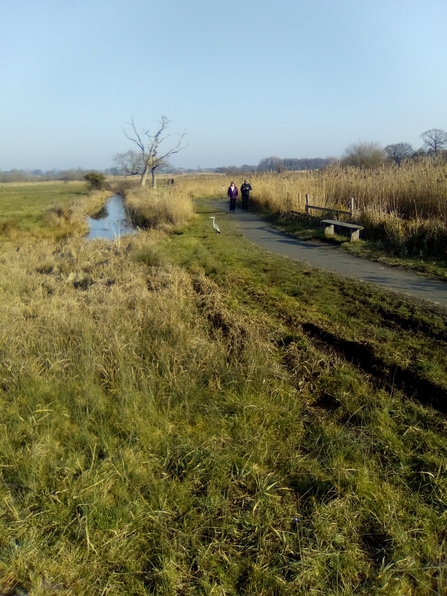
(329, 230)
(355, 235)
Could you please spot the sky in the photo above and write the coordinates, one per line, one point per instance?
(244, 79)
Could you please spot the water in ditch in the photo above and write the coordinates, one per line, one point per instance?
(110, 222)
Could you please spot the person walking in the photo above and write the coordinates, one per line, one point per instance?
(245, 192)
(232, 195)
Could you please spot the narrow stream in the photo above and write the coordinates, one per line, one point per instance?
(110, 222)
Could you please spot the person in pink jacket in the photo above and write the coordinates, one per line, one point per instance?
(232, 195)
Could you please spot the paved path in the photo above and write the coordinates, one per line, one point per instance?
(332, 258)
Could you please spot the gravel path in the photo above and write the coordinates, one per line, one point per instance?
(332, 258)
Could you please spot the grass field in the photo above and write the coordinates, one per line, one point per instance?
(45, 209)
(187, 414)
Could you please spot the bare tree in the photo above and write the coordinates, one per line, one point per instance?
(149, 156)
(434, 139)
(129, 163)
(399, 152)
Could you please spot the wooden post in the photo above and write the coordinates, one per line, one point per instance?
(307, 203)
(351, 205)
(299, 199)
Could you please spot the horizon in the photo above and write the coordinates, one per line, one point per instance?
(171, 168)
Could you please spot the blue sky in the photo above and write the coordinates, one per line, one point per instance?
(246, 79)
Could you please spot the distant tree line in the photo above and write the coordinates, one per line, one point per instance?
(229, 170)
(40, 175)
(370, 154)
(362, 154)
(279, 164)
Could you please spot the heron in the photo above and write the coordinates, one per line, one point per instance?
(215, 226)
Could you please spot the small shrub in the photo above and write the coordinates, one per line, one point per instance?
(96, 180)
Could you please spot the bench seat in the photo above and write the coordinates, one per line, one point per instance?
(330, 224)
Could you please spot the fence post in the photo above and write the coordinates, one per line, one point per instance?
(307, 203)
(351, 205)
(299, 200)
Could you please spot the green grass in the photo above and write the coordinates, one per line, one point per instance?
(34, 208)
(189, 414)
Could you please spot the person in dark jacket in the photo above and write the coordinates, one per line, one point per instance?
(232, 195)
(245, 191)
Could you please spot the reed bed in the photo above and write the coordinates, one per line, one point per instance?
(166, 207)
(403, 208)
(416, 189)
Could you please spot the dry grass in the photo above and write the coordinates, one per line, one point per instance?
(99, 359)
(167, 432)
(164, 432)
(405, 208)
(167, 207)
(416, 189)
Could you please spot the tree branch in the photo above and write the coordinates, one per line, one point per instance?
(149, 153)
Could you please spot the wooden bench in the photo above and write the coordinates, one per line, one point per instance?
(330, 224)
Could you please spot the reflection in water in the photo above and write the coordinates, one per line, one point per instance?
(110, 222)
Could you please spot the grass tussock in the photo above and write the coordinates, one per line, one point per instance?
(164, 207)
(189, 415)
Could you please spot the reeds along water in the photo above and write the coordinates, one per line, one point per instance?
(169, 206)
(403, 207)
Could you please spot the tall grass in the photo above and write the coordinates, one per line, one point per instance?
(164, 432)
(415, 190)
(167, 207)
(404, 208)
(169, 424)
(109, 383)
